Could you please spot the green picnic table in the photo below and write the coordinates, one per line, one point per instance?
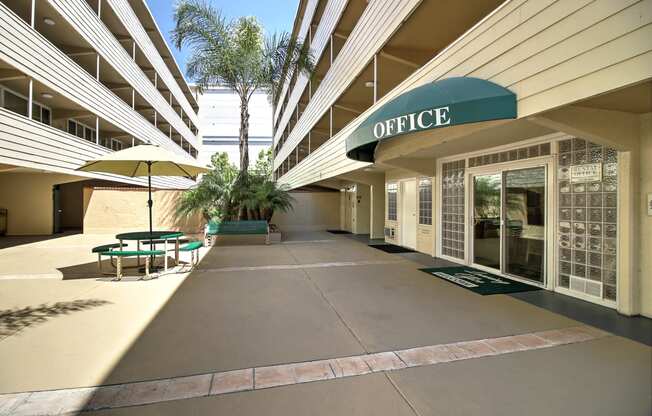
(164, 236)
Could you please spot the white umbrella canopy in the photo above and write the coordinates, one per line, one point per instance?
(145, 160)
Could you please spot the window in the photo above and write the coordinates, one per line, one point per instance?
(15, 103)
(116, 144)
(18, 104)
(392, 190)
(45, 116)
(81, 130)
(425, 201)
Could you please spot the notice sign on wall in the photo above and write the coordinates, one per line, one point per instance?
(590, 172)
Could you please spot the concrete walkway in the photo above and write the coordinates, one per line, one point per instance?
(324, 298)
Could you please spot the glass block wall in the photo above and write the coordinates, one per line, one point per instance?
(523, 153)
(425, 201)
(587, 228)
(392, 203)
(452, 209)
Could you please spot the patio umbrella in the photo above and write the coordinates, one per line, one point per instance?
(145, 160)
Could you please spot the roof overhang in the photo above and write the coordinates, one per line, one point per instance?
(449, 102)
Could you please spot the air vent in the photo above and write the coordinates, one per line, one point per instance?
(586, 286)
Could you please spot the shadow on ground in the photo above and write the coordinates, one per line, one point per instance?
(17, 319)
(91, 270)
(13, 241)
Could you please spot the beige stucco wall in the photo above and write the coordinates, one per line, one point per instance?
(28, 198)
(312, 211)
(113, 210)
(645, 230)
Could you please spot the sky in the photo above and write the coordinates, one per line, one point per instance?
(275, 15)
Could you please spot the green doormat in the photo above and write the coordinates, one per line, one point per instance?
(478, 281)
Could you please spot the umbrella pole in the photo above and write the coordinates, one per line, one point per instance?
(149, 204)
(149, 201)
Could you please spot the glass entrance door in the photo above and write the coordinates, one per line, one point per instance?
(525, 223)
(487, 220)
(509, 214)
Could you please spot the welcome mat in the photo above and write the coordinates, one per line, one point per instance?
(338, 232)
(478, 281)
(391, 248)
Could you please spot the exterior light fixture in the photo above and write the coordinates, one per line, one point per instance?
(47, 95)
(49, 21)
(369, 84)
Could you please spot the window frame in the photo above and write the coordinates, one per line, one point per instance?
(392, 189)
(4, 89)
(425, 205)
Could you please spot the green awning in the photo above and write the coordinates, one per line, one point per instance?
(449, 102)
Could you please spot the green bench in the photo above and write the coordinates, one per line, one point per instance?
(248, 230)
(104, 248)
(192, 247)
(118, 254)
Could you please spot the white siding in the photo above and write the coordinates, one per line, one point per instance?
(550, 53)
(86, 22)
(379, 20)
(320, 41)
(302, 35)
(28, 51)
(28, 143)
(129, 19)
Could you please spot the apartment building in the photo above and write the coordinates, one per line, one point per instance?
(219, 123)
(511, 136)
(79, 79)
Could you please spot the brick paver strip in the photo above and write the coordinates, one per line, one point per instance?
(56, 402)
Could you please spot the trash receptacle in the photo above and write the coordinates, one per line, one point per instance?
(3, 221)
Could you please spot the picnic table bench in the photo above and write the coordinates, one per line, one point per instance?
(237, 232)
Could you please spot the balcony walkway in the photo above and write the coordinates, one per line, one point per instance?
(321, 324)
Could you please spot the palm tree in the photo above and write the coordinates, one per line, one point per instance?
(236, 54)
(272, 197)
(214, 196)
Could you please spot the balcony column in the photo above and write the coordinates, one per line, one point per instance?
(155, 119)
(97, 66)
(309, 139)
(155, 79)
(296, 156)
(97, 130)
(309, 89)
(99, 8)
(30, 97)
(330, 122)
(133, 98)
(133, 50)
(331, 51)
(375, 78)
(170, 132)
(33, 14)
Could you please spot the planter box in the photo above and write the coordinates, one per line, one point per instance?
(275, 237)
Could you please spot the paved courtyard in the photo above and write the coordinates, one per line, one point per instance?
(321, 324)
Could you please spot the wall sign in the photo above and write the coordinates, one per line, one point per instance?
(422, 120)
(590, 172)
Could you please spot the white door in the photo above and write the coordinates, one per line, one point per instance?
(409, 214)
